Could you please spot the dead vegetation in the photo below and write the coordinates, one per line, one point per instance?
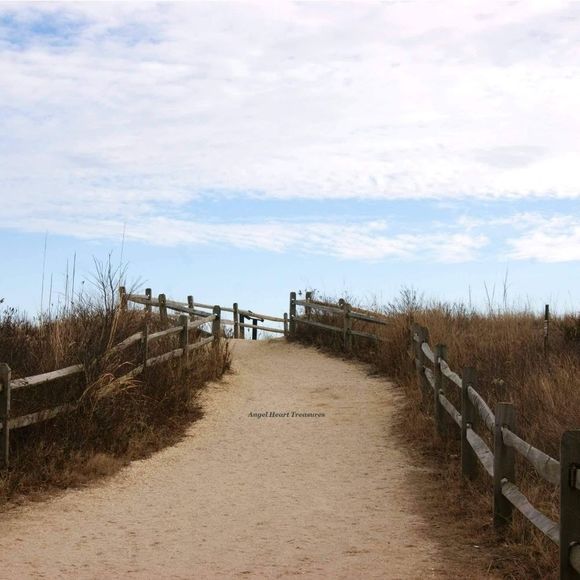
(506, 347)
(116, 421)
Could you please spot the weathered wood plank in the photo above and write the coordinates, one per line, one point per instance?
(481, 407)
(574, 561)
(482, 451)
(130, 375)
(448, 406)
(468, 455)
(162, 300)
(368, 335)
(545, 465)
(166, 332)
(198, 323)
(249, 313)
(318, 306)
(47, 377)
(292, 316)
(264, 328)
(440, 424)
(428, 352)
(30, 419)
(215, 327)
(430, 376)
(164, 357)
(210, 307)
(536, 517)
(5, 394)
(200, 343)
(504, 464)
(138, 299)
(452, 376)
(180, 307)
(318, 324)
(134, 338)
(236, 317)
(569, 505)
(367, 318)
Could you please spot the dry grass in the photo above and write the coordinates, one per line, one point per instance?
(506, 347)
(116, 421)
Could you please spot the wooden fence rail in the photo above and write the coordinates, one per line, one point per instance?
(498, 463)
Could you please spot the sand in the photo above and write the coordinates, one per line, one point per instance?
(245, 496)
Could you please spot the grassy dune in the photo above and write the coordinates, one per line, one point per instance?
(116, 421)
(506, 347)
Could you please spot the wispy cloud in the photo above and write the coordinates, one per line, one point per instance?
(547, 239)
(363, 241)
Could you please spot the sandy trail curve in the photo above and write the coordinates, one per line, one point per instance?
(244, 497)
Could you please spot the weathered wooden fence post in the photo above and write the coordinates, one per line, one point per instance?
(122, 298)
(163, 308)
(285, 324)
(5, 373)
(546, 329)
(184, 335)
(468, 457)
(504, 466)
(236, 317)
(347, 327)
(292, 314)
(242, 327)
(308, 309)
(216, 324)
(191, 305)
(570, 505)
(439, 412)
(148, 296)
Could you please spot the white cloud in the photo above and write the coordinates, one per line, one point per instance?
(314, 100)
(548, 239)
(131, 111)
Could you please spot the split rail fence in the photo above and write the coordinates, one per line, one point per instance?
(194, 315)
(9, 422)
(197, 309)
(342, 309)
(435, 380)
(499, 464)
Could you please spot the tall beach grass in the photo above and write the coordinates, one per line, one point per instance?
(116, 421)
(506, 347)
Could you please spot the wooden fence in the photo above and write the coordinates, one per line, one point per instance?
(197, 309)
(206, 318)
(435, 379)
(144, 338)
(343, 309)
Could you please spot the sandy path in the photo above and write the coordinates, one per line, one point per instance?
(246, 497)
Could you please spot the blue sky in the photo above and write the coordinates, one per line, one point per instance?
(250, 149)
